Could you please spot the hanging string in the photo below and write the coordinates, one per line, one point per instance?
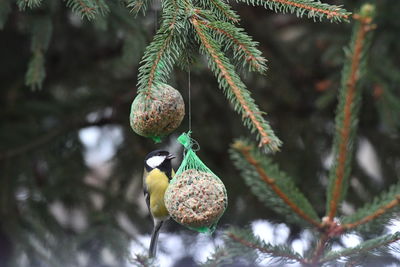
(190, 102)
(191, 144)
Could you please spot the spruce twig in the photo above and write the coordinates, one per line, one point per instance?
(376, 212)
(310, 216)
(41, 36)
(234, 88)
(346, 118)
(86, 9)
(262, 249)
(220, 257)
(23, 4)
(166, 40)
(136, 6)
(163, 51)
(222, 10)
(319, 250)
(246, 239)
(313, 9)
(243, 43)
(379, 212)
(366, 246)
(36, 70)
(102, 7)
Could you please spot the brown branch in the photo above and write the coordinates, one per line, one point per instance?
(250, 57)
(160, 53)
(235, 89)
(346, 128)
(374, 215)
(155, 65)
(245, 150)
(264, 250)
(328, 13)
(172, 25)
(319, 249)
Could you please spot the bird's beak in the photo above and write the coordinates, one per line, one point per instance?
(170, 156)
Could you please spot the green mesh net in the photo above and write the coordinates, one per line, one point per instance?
(196, 197)
(157, 114)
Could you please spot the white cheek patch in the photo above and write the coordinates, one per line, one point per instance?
(155, 161)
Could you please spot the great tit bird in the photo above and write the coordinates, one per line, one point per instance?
(157, 174)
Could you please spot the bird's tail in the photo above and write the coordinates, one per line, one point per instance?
(154, 238)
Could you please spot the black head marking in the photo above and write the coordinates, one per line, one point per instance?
(164, 165)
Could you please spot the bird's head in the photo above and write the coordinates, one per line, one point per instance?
(159, 159)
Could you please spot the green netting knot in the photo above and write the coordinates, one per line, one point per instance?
(185, 140)
(196, 197)
(156, 139)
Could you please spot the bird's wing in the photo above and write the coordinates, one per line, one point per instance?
(145, 190)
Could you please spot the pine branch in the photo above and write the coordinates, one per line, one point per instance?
(102, 7)
(319, 250)
(234, 88)
(244, 47)
(36, 71)
(219, 257)
(188, 57)
(348, 107)
(241, 242)
(84, 8)
(136, 6)
(375, 213)
(263, 176)
(41, 35)
(367, 246)
(5, 9)
(310, 8)
(163, 52)
(23, 4)
(221, 10)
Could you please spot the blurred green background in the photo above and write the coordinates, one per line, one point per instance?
(71, 167)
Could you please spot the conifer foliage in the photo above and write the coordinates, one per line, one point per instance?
(278, 192)
(213, 25)
(211, 29)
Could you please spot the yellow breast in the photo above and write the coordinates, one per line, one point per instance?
(157, 182)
